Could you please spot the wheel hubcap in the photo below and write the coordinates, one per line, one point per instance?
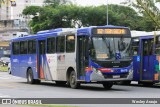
(29, 79)
(73, 79)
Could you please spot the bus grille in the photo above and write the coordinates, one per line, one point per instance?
(110, 76)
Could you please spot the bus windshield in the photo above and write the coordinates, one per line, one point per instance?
(110, 48)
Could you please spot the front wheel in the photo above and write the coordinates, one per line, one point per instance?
(73, 80)
(107, 85)
(30, 78)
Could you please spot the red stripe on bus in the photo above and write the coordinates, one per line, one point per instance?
(88, 69)
(105, 70)
(41, 73)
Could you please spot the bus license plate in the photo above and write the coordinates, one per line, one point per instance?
(116, 76)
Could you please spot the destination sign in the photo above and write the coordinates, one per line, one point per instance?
(109, 31)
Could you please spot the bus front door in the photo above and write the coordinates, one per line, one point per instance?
(81, 59)
(147, 60)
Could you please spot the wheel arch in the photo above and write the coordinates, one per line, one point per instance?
(28, 71)
(69, 70)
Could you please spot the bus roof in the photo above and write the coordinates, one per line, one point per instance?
(55, 32)
(144, 33)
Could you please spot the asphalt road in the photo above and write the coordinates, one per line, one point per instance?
(16, 87)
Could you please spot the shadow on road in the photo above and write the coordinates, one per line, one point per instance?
(91, 87)
(140, 85)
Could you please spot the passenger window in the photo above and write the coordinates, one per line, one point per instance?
(31, 47)
(15, 48)
(157, 50)
(148, 47)
(23, 47)
(135, 46)
(70, 44)
(60, 44)
(51, 45)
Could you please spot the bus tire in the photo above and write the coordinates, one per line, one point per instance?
(73, 80)
(30, 79)
(107, 85)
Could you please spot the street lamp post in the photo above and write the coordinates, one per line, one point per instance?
(107, 12)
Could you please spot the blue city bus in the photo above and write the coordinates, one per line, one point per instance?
(146, 59)
(99, 54)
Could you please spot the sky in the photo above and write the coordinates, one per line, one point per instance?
(96, 2)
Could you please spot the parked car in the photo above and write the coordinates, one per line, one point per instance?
(9, 68)
(4, 60)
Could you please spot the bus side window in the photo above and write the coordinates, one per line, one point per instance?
(51, 45)
(60, 44)
(157, 50)
(135, 48)
(145, 48)
(31, 47)
(70, 44)
(15, 48)
(23, 47)
(150, 47)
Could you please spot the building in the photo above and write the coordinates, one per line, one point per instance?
(8, 12)
(12, 20)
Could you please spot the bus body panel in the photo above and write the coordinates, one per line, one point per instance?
(157, 68)
(70, 59)
(136, 68)
(32, 63)
(52, 62)
(54, 66)
(15, 65)
(144, 63)
(23, 65)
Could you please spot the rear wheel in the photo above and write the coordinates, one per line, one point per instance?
(107, 85)
(73, 80)
(30, 79)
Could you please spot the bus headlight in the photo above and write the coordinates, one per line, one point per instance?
(97, 71)
(131, 71)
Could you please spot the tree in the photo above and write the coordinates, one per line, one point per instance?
(148, 9)
(48, 17)
(32, 10)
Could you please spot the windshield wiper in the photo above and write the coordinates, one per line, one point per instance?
(108, 46)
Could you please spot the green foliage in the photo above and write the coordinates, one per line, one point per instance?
(50, 17)
(148, 9)
(32, 10)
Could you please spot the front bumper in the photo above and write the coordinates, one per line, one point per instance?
(97, 77)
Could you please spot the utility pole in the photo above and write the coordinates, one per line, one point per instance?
(107, 12)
